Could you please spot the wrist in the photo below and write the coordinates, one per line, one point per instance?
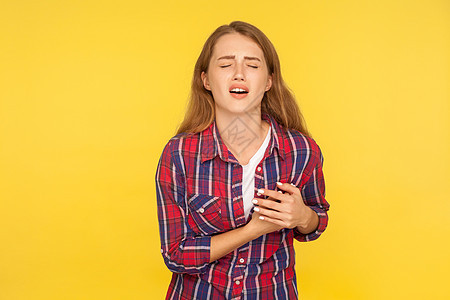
(309, 221)
(250, 231)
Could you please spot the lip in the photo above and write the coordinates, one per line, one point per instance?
(238, 96)
(239, 86)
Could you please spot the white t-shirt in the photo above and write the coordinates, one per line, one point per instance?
(248, 175)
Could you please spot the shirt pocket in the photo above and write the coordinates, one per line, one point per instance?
(205, 214)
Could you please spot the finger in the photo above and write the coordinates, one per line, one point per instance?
(272, 220)
(273, 194)
(268, 203)
(288, 187)
(269, 213)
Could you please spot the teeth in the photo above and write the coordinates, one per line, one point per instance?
(238, 90)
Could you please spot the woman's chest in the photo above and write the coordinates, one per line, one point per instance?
(214, 191)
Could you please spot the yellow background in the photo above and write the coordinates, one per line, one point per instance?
(91, 91)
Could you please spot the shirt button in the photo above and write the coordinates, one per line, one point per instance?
(238, 282)
(201, 210)
(258, 168)
(241, 260)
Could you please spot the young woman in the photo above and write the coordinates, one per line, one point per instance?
(241, 179)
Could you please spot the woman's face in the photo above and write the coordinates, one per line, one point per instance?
(237, 61)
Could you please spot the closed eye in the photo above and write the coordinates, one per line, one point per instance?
(255, 67)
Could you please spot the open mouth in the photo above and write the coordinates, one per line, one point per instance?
(238, 91)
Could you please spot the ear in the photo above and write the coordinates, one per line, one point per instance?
(205, 81)
(269, 82)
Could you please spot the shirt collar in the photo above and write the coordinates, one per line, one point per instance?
(212, 143)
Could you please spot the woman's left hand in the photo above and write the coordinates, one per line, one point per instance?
(285, 209)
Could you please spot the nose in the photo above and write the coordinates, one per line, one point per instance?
(239, 72)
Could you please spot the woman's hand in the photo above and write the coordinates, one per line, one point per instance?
(284, 209)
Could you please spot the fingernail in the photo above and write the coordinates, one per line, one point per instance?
(255, 201)
(256, 208)
(280, 192)
(258, 194)
(261, 217)
(279, 183)
(260, 191)
(292, 184)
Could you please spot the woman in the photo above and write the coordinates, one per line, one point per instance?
(241, 179)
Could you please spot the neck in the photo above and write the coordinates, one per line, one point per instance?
(241, 133)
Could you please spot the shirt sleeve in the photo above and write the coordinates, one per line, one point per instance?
(183, 252)
(313, 194)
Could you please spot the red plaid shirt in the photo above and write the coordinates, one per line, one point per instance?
(199, 194)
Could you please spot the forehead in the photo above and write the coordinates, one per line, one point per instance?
(236, 44)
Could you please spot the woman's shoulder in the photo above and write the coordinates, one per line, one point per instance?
(176, 142)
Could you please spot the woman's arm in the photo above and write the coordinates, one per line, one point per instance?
(182, 249)
(313, 194)
(224, 243)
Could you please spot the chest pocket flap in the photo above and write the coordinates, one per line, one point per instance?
(205, 215)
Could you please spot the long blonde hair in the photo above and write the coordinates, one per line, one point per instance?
(279, 101)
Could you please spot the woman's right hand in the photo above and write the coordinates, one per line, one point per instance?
(260, 227)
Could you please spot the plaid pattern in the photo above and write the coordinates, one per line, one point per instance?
(199, 194)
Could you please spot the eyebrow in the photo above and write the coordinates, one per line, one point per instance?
(233, 56)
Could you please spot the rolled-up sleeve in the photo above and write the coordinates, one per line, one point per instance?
(183, 252)
(313, 194)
